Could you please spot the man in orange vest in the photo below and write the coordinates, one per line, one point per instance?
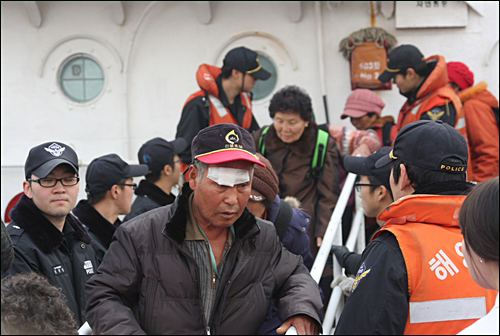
(424, 82)
(223, 97)
(482, 126)
(413, 278)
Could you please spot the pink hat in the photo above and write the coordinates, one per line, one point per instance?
(460, 74)
(361, 102)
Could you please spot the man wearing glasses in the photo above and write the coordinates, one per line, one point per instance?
(110, 189)
(47, 239)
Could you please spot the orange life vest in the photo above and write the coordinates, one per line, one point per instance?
(435, 92)
(443, 297)
(218, 113)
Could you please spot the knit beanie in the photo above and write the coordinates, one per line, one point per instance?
(265, 180)
(460, 74)
(361, 102)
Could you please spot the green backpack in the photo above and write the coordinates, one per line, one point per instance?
(318, 160)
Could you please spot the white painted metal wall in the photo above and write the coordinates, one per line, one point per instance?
(150, 52)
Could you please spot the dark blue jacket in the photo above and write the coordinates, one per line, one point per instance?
(296, 240)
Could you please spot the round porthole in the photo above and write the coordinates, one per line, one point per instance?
(81, 78)
(263, 88)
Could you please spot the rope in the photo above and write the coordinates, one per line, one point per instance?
(377, 35)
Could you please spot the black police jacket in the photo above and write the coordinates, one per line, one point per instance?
(65, 258)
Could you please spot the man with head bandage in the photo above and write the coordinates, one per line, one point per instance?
(204, 264)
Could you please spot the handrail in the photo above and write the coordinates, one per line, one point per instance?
(333, 227)
(336, 304)
(333, 236)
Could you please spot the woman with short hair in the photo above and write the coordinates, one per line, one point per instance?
(479, 223)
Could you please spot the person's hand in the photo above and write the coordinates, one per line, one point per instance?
(319, 240)
(363, 150)
(345, 284)
(304, 324)
(340, 251)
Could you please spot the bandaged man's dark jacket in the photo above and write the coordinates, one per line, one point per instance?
(148, 281)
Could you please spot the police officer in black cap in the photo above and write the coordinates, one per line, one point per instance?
(47, 238)
(110, 189)
(223, 96)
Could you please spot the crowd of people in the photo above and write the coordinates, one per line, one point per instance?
(232, 252)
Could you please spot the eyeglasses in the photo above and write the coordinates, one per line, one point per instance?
(359, 185)
(51, 182)
(133, 185)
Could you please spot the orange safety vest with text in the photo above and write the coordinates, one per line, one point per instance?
(443, 297)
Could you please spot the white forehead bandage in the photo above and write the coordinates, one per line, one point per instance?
(228, 176)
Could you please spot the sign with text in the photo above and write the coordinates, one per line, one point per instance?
(431, 14)
(368, 61)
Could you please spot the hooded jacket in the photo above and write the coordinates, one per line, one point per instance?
(292, 163)
(210, 106)
(434, 100)
(148, 281)
(295, 240)
(482, 132)
(66, 258)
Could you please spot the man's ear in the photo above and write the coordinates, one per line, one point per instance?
(192, 174)
(167, 170)
(411, 73)
(404, 180)
(382, 193)
(114, 191)
(27, 189)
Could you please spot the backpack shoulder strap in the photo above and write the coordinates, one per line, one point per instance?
(319, 153)
(283, 219)
(262, 145)
(386, 133)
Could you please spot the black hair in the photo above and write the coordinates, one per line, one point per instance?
(7, 250)
(479, 220)
(375, 181)
(420, 176)
(226, 72)
(155, 175)
(32, 306)
(291, 98)
(93, 199)
(423, 69)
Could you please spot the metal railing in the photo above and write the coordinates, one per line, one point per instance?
(333, 236)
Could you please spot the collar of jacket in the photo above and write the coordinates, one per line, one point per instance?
(99, 225)
(302, 147)
(176, 226)
(153, 192)
(41, 231)
(433, 81)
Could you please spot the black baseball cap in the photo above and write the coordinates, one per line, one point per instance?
(224, 143)
(246, 61)
(426, 144)
(106, 171)
(158, 152)
(43, 158)
(366, 166)
(400, 58)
